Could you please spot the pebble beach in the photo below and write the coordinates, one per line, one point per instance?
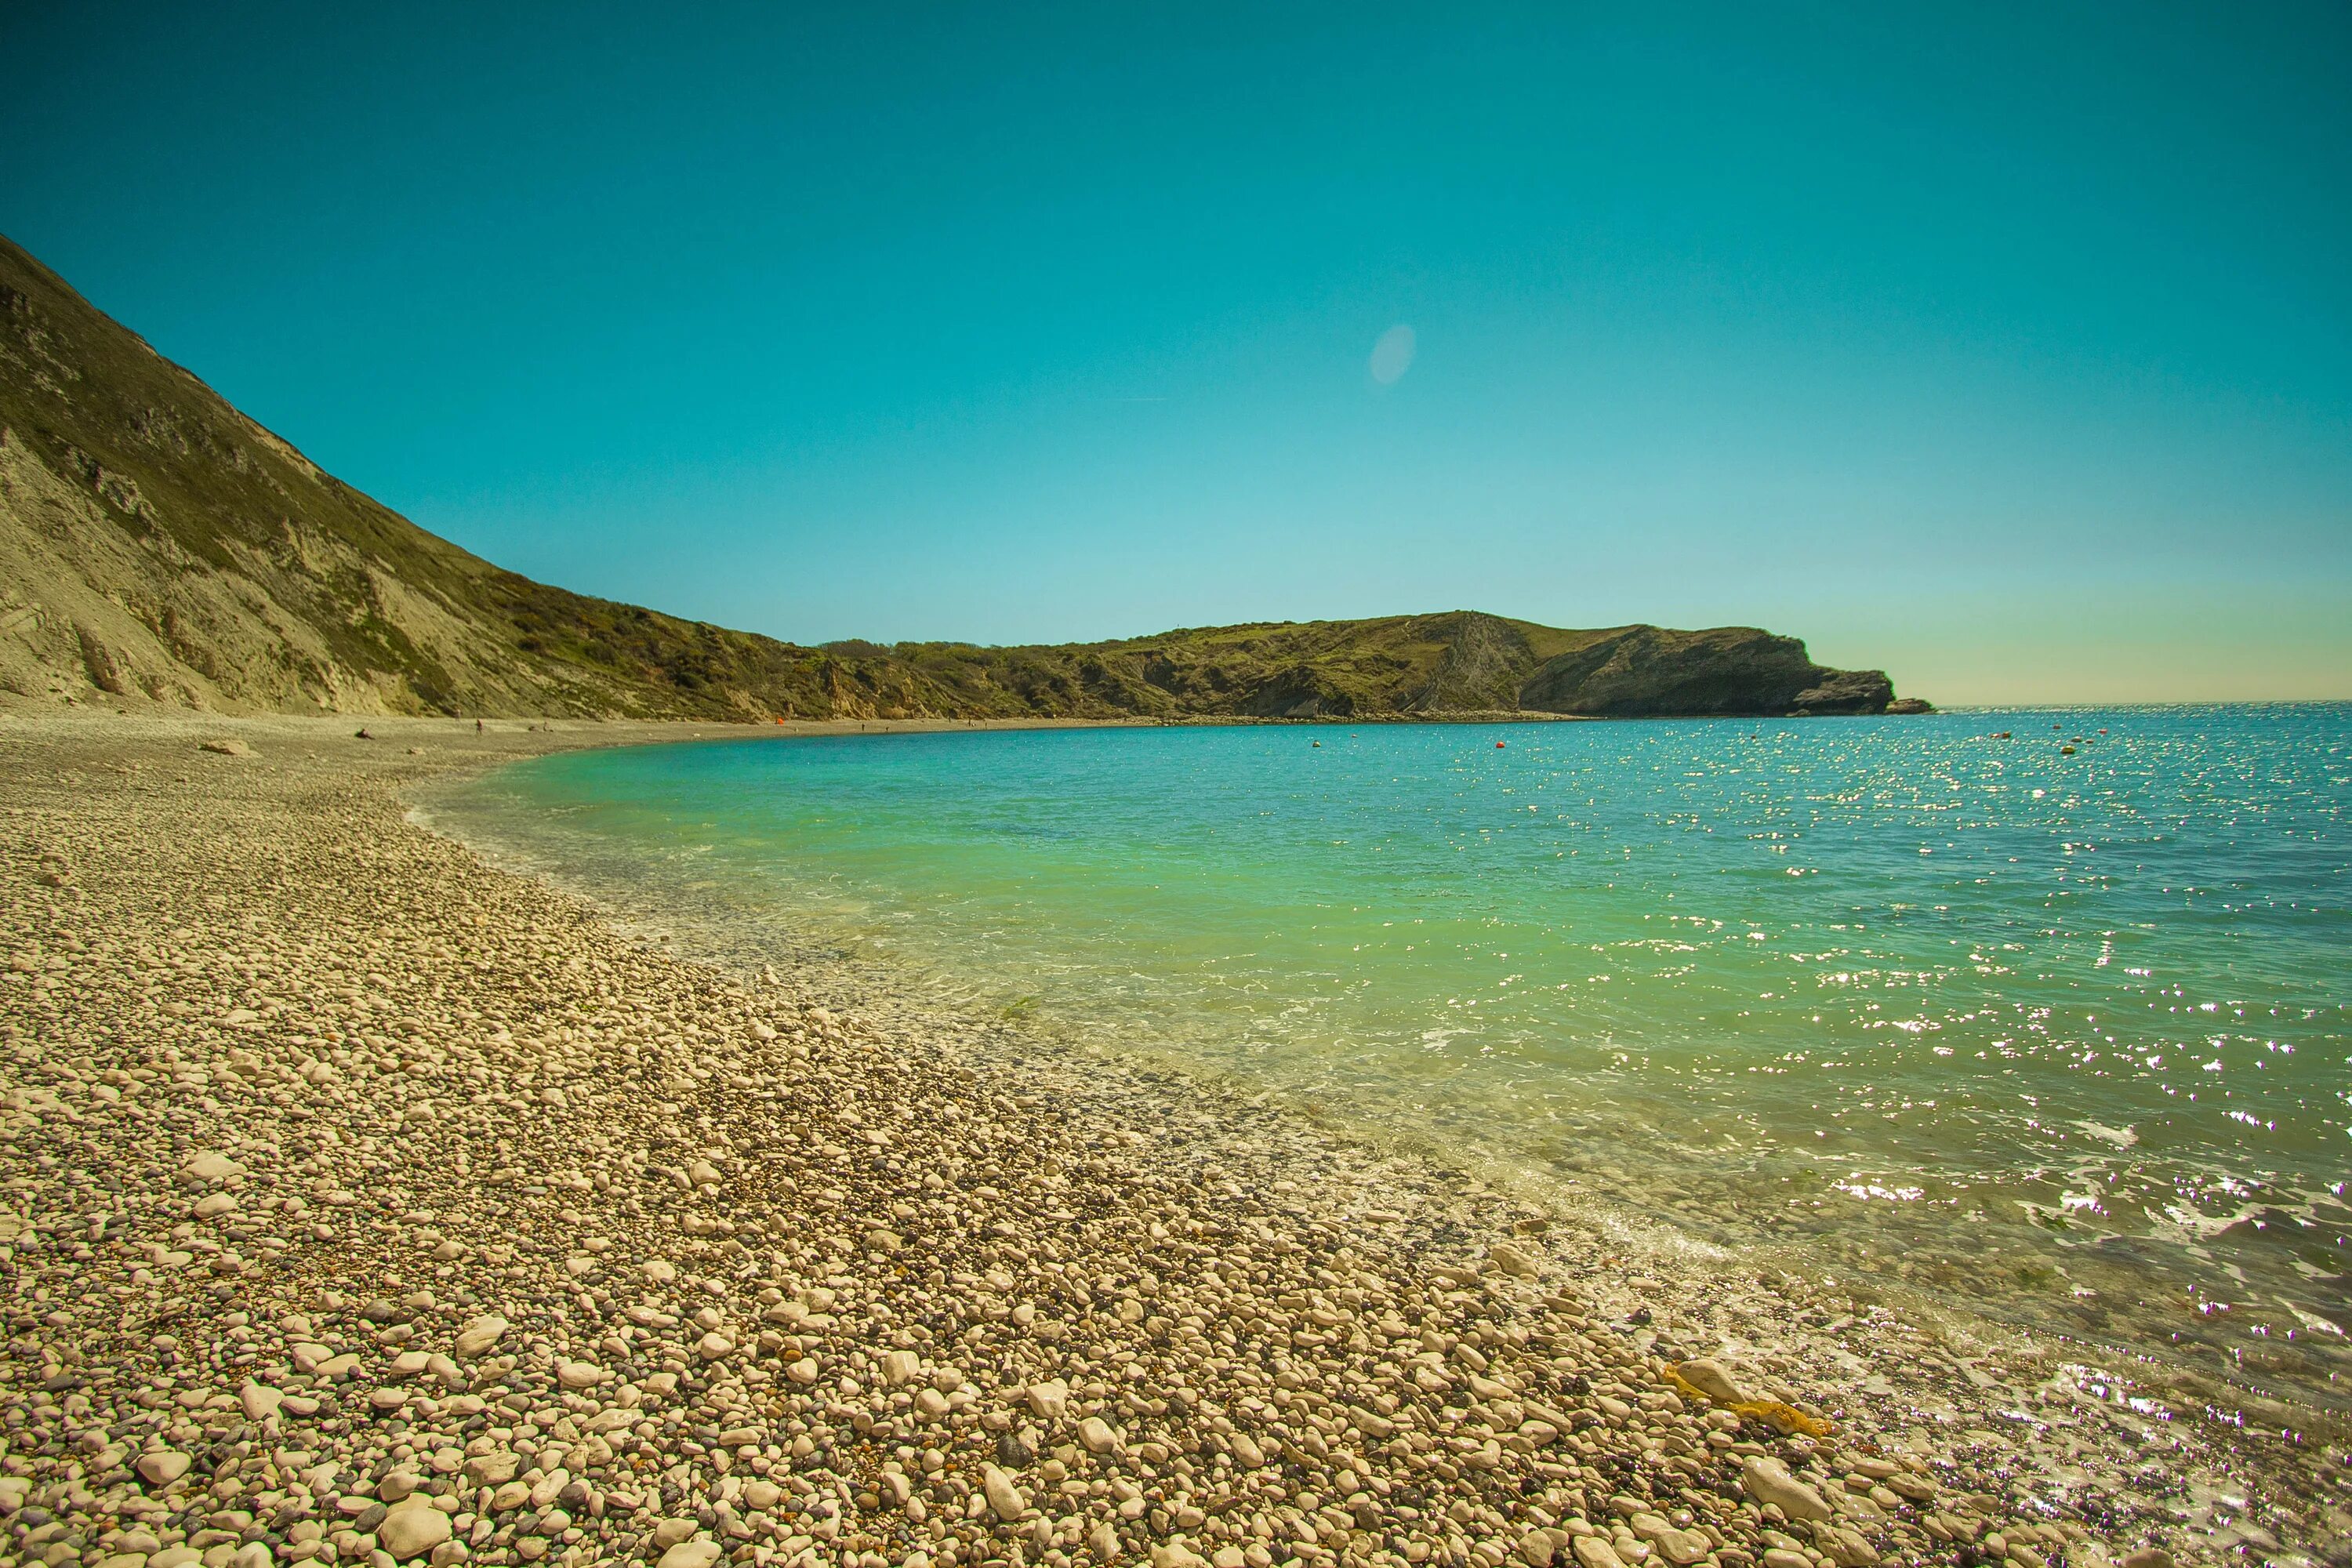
(362, 1202)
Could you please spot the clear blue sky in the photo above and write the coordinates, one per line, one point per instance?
(2008, 349)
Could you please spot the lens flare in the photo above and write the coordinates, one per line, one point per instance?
(1392, 355)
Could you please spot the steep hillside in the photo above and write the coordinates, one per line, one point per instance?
(157, 546)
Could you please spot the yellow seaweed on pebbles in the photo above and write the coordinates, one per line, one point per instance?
(1786, 1418)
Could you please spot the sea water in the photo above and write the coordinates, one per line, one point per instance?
(2039, 1014)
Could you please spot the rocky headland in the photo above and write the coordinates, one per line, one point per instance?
(158, 548)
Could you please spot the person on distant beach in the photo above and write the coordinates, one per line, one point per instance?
(478, 726)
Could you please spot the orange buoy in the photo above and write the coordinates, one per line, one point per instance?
(1498, 745)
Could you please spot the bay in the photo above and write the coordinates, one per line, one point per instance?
(2040, 1012)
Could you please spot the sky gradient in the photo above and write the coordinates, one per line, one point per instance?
(2011, 351)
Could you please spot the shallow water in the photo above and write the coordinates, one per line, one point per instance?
(2061, 1037)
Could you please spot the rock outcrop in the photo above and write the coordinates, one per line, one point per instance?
(1644, 672)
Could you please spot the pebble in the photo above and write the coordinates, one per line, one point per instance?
(1511, 1260)
(411, 1530)
(480, 1337)
(1712, 1378)
(163, 1467)
(210, 1165)
(1592, 1551)
(1003, 1495)
(1768, 1480)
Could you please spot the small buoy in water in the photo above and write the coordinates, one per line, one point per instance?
(1498, 745)
(1319, 743)
(2066, 751)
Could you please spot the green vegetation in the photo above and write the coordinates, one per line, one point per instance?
(156, 545)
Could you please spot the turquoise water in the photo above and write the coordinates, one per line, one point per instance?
(2060, 1036)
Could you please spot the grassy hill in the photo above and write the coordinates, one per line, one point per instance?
(158, 547)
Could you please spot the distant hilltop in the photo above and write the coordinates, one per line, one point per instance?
(157, 547)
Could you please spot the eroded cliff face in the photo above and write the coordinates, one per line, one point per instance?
(1643, 672)
(157, 547)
